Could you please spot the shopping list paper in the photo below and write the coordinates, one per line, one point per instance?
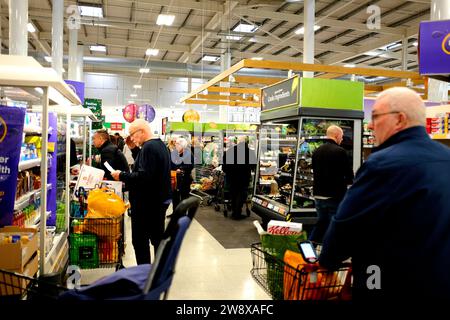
(108, 166)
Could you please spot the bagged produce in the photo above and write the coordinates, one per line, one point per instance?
(105, 203)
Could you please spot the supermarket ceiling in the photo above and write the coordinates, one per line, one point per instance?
(202, 31)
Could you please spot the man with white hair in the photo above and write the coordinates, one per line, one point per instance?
(150, 188)
(394, 222)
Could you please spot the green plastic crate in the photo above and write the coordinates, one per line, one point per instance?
(83, 251)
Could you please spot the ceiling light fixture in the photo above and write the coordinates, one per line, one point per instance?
(257, 58)
(234, 38)
(372, 53)
(48, 58)
(90, 10)
(349, 65)
(245, 27)
(415, 43)
(98, 48)
(144, 70)
(130, 101)
(210, 58)
(133, 95)
(301, 30)
(252, 40)
(137, 86)
(151, 52)
(165, 19)
(30, 27)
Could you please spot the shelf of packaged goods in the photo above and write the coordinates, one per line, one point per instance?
(285, 174)
(24, 200)
(368, 146)
(34, 223)
(58, 247)
(27, 164)
(367, 133)
(297, 194)
(439, 136)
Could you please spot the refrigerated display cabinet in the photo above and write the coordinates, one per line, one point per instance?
(295, 115)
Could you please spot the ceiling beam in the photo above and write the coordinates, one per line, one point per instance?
(212, 24)
(324, 21)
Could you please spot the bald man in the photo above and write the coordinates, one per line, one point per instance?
(333, 172)
(394, 222)
(149, 187)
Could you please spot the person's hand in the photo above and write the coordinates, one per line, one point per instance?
(97, 158)
(116, 174)
(130, 143)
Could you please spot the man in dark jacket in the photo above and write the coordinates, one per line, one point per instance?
(332, 173)
(109, 153)
(149, 187)
(394, 222)
(238, 163)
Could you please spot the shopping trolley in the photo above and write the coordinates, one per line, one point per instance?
(283, 281)
(15, 286)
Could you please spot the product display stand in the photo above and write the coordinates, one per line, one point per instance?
(19, 76)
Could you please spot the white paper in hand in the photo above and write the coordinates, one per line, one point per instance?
(108, 166)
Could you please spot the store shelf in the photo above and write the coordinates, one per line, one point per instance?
(24, 200)
(314, 137)
(27, 164)
(285, 174)
(305, 177)
(59, 244)
(439, 136)
(37, 219)
(368, 146)
(298, 194)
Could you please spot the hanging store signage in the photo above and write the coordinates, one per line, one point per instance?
(77, 87)
(434, 47)
(95, 105)
(11, 130)
(116, 126)
(281, 94)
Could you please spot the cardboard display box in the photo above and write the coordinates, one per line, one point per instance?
(15, 256)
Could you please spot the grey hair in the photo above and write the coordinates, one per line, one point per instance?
(407, 101)
(182, 142)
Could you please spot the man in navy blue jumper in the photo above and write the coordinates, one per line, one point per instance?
(394, 222)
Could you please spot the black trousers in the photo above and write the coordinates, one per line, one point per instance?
(146, 229)
(238, 194)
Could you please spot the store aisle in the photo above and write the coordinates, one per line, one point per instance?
(206, 270)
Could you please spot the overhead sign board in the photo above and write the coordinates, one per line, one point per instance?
(282, 94)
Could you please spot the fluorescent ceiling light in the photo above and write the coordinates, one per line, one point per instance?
(391, 46)
(130, 101)
(252, 40)
(372, 53)
(165, 19)
(210, 58)
(133, 95)
(48, 59)
(30, 27)
(151, 52)
(91, 10)
(245, 27)
(137, 86)
(234, 38)
(257, 58)
(97, 48)
(301, 30)
(349, 65)
(144, 70)
(40, 90)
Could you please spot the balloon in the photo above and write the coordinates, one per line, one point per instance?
(191, 116)
(150, 112)
(129, 112)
